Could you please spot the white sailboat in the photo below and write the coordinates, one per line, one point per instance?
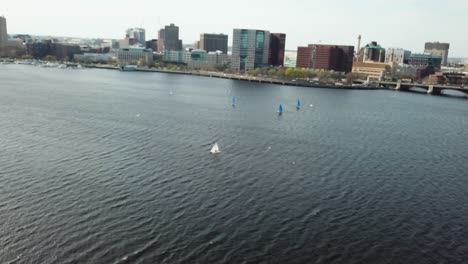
(215, 149)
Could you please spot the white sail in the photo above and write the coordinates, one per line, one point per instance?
(215, 149)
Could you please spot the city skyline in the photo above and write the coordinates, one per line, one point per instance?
(408, 25)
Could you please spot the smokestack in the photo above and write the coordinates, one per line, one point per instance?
(358, 43)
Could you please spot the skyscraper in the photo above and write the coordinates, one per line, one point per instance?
(3, 32)
(326, 57)
(138, 34)
(250, 48)
(437, 48)
(152, 44)
(277, 47)
(161, 40)
(214, 42)
(169, 39)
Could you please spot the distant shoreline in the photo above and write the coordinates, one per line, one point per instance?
(231, 76)
(299, 83)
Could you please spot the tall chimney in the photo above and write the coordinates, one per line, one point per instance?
(358, 43)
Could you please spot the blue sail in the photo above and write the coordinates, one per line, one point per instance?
(298, 104)
(280, 108)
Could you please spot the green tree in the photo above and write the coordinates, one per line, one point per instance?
(255, 72)
(323, 76)
(172, 67)
(312, 74)
(220, 67)
(264, 71)
(290, 73)
(303, 73)
(271, 72)
(27, 57)
(141, 62)
(280, 73)
(335, 76)
(50, 58)
(351, 77)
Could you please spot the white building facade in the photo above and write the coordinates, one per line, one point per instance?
(197, 59)
(135, 55)
(397, 56)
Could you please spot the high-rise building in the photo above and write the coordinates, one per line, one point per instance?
(3, 32)
(396, 55)
(152, 44)
(437, 48)
(127, 43)
(304, 57)
(277, 48)
(326, 57)
(168, 39)
(214, 42)
(250, 48)
(161, 40)
(138, 34)
(196, 44)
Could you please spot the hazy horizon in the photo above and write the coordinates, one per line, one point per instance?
(401, 24)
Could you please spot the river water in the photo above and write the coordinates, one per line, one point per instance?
(101, 166)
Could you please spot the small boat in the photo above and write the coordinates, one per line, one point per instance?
(234, 100)
(298, 106)
(128, 68)
(280, 109)
(215, 149)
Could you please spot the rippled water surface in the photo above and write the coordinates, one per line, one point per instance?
(103, 166)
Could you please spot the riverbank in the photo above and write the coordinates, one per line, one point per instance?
(231, 76)
(240, 77)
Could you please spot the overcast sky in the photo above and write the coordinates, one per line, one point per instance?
(393, 23)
